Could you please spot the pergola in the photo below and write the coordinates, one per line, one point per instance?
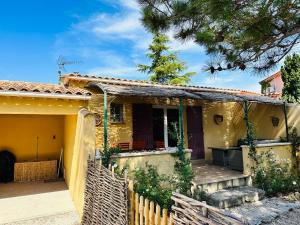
(182, 93)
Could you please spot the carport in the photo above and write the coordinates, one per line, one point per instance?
(43, 126)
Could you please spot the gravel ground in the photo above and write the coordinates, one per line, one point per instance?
(291, 218)
(268, 211)
(70, 218)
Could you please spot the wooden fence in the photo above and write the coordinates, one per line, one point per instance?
(192, 212)
(145, 212)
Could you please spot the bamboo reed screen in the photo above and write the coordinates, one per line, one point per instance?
(35, 171)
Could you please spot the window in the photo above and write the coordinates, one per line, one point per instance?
(116, 113)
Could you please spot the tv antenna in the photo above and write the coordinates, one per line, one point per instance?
(62, 62)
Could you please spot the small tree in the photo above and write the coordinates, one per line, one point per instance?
(165, 67)
(291, 79)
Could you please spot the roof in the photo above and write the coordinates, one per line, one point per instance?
(22, 87)
(116, 86)
(111, 80)
(272, 77)
(231, 97)
(151, 91)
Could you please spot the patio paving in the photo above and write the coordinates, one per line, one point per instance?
(208, 173)
(24, 203)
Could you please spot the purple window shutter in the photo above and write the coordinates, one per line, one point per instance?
(143, 124)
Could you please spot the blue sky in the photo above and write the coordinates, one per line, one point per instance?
(105, 35)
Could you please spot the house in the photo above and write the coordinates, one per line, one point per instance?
(83, 114)
(272, 86)
(38, 121)
(141, 116)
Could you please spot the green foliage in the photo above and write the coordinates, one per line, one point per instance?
(106, 155)
(200, 195)
(264, 87)
(274, 176)
(294, 138)
(291, 79)
(250, 133)
(155, 187)
(185, 176)
(244, 34)
(165, 67)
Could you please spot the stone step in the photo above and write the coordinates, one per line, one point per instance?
(220, 184)
(231, 197)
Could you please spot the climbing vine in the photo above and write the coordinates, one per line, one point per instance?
(250, 133)
(107, 154)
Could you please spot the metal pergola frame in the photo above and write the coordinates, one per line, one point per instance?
(152, 91)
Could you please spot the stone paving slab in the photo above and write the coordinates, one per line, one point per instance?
(231, 197)
(266, 211)
(207, 173)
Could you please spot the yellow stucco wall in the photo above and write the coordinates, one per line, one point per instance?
(84, 146)
(224, 134)
(233, 128)
(164, 162)
(281, 152)
(18, 105)
(70, 123)
(25, 135)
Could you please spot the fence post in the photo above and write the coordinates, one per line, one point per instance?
(165, 217)
(157, 215)
(151, 213)
(136, 209)
(130, 187)
(146, 211)
(171, 222)
(141, 210)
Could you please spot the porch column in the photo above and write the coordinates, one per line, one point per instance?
(181, 133)
(246, 118)
(286, 121)
(105, 121)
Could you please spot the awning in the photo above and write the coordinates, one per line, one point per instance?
(218, 96)
(234, 97)
(261, 99)
(159, 91)
(143, 91)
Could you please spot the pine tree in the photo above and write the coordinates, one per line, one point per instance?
(243, 34)
(291, 79)
(165, 67)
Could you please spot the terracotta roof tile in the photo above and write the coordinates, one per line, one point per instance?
(22, 86)
(109, 80)
(271, 77)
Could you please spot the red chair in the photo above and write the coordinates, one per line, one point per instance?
(139, 145)
(124, 146)
(159, 144)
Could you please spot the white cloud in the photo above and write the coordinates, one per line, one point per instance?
(112, 44)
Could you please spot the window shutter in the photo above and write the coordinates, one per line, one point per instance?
(143, 124)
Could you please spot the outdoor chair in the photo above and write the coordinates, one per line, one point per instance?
(124, 145)
(159, 144)
(139, 145)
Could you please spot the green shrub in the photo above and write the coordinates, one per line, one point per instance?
(274, 176)
(155, 187)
